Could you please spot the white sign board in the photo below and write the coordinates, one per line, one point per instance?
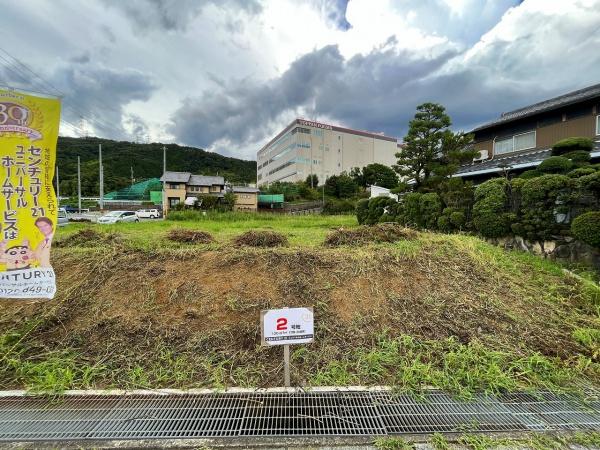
(287, 326)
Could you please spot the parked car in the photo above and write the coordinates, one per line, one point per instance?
(118, 216)
(148, 213)
(70, 209)
(62, 217)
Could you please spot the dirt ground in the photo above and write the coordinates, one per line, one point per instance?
(114, 301)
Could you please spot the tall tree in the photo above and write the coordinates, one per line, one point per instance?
(379, 175)
(431, 150)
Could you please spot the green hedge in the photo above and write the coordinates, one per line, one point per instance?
(528, 174)
(491, 213)
(578, 156)
(571, 144)
(542, 200)
(555, 164)
(586, 228)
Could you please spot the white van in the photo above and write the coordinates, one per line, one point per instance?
(62, 217)
(148, 213)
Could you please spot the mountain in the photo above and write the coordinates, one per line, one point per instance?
(145, 159)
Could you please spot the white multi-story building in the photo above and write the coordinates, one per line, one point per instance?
(305, 147)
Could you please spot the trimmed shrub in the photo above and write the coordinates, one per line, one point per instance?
(542, 199)
(362, 210)
(452, 219)
(572, 144)
(458, 219)
(377, 208)
(555, 164)
(430, 206)
(491, 216)
(581, 172)
(333, 206)
(578, 156)
(529, 174)
(412, 210)
(586, 228)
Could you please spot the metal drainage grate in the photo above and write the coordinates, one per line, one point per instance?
(347, 413)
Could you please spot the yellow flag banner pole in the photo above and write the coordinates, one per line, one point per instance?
(28, 204)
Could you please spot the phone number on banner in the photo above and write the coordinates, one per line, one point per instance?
(28, 283)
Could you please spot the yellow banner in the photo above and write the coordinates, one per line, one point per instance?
(28, 204)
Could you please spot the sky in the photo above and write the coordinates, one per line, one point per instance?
(228, 75)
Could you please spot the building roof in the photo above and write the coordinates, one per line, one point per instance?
(523, 160)
(194, 180)
(175, 177)
(204, 180)
(245, 189)
(325, 126)
(571, 98)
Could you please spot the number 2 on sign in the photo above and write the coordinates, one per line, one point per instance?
(281, 324)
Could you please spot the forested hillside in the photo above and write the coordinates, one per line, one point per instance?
(146, 160)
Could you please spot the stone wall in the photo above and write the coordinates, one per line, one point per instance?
(565, 249)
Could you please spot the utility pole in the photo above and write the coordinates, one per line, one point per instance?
(164, 196)
(79, 184)
(101, 177)
(57, 186)
(131, 167)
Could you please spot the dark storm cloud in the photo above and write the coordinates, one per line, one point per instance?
(174, 15)
(90, 92)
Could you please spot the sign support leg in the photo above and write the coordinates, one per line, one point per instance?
(286, 365)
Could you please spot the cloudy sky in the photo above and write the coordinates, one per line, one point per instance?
(227, 75)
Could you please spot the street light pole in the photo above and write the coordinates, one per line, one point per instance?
(79, 184)
(101, 177)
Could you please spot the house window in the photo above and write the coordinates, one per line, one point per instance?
(515, 143)
(173, 201)
(173, 186)
(598, 124)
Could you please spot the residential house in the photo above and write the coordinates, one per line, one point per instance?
(178, 186)
(520, 140)
(246, 198)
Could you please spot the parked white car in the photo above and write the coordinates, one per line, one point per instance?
(62, 217)
(148, 213)
(119, 216)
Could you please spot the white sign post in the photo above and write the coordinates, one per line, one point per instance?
(284, 327)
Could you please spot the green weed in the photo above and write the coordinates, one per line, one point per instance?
(393, 443)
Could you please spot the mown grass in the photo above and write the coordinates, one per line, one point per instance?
(301, 231)
(155, 355)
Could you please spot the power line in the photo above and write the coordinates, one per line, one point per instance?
(96, 123)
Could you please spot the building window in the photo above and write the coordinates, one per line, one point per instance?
(515, 143)
(173, 186)
(598, 124)
(173, 201)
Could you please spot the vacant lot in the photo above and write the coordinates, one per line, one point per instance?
(135, 309)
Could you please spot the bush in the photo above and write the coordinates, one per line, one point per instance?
(542, 199)
(578, 156)
(586, 228)
(333, 206)
(529, 174)
(581, 172)
(377, 210)
(555, 164)
(572, 144)
(411, 210)
(260, 239)
(430, 206)
(491, 215)
(362, 210)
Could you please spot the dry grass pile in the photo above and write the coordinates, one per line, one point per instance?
(261, 239)
(189, 236)
(382, 232)
(88, 237)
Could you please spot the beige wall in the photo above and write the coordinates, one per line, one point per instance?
(322, 152)
(245, 201)
(170, 193)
